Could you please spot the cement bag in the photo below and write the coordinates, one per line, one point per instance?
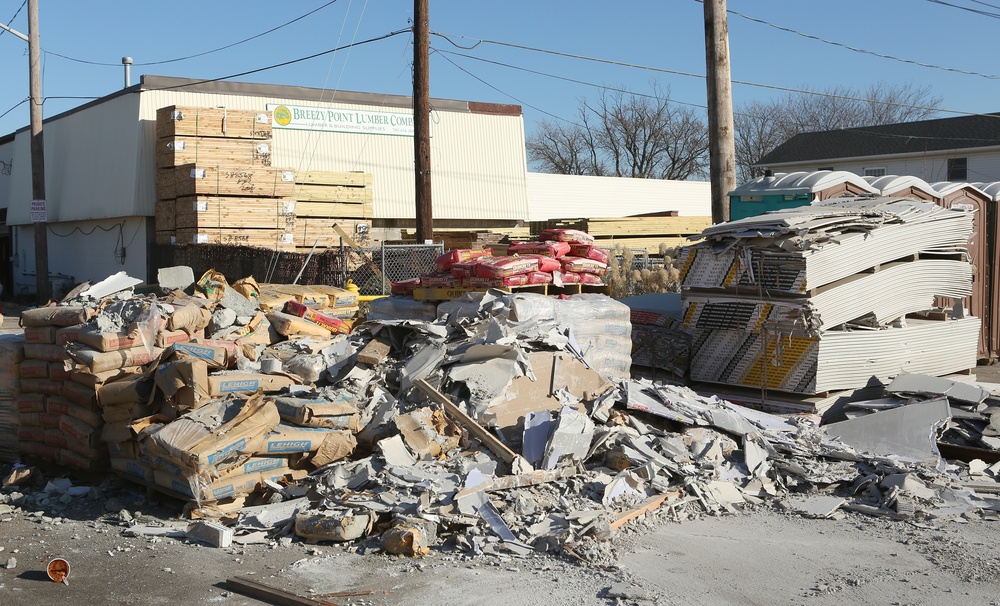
(440, 280)
(501, 267)
(546, 249)
(460, 255)
(289, 325)
(98, 361)
(589, 251)
(573, 236)
(546, 264)
(189, 318)
(406, 287)
(402, 308)
(212, 284)
(60, 315)
(581, 265)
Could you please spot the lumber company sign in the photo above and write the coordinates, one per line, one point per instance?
(341, 120)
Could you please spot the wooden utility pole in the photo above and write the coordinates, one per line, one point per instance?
(721, 132)
(422, 120)
(42, 287)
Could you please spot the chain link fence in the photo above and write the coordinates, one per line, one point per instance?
(372, 269)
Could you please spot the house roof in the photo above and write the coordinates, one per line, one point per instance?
(923, 136)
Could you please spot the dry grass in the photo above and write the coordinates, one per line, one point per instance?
(626, 281)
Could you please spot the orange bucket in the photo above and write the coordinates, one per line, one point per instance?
(58, 570)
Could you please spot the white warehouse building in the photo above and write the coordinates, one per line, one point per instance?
(101, 172)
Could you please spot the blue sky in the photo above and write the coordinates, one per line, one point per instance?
(665, 38)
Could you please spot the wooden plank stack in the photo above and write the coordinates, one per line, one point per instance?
(215, 185)
(646, 232)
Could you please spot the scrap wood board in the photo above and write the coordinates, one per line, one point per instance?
(207, 151)
(223, 180)
(175, 120)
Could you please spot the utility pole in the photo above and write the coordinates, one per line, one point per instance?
(721, 131)
(42, 287)
(422, 120)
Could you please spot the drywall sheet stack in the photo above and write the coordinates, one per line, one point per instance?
(822, 298)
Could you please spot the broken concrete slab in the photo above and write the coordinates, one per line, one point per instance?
(926, 385)
(179, 277)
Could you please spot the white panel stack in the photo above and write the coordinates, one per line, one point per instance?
(820, 298)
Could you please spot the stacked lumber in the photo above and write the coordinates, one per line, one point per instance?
(11, 355)
(324, 199)
(215, 183)
(828, 297)
(645, 232)
(497, 238)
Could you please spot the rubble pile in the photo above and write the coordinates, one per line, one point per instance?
(502, 422)
(558, 257)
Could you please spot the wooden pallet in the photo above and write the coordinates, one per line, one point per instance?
(177, 120)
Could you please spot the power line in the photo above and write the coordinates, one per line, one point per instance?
(202, 54)
(690, 75)
(17, 105)
(859, 50)
(966, 8)
(291, 62)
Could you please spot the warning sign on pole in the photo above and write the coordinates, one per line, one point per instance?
(39, 212)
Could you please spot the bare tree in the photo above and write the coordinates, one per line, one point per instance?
(625, 135)
(762, 126)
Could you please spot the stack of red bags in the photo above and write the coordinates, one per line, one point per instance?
(559, 256)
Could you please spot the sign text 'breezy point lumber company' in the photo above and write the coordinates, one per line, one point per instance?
(341, 120)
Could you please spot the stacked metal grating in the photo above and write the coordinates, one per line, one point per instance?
(826, 297)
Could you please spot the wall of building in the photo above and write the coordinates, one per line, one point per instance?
(82, 250)
(578, 196)
(929, 167)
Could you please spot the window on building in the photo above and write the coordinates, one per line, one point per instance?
(875, 172)
(958, 169)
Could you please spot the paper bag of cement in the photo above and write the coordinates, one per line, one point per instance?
(184, 383)
(341, 414)
(289, 325)
(189, 318)
(247, 287)
(215, 435)
(291, 439)
(212, 284)
(216, 356)
(130, 389)
(97, 361)
(60, 315)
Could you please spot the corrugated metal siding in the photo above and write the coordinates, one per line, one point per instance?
(575, 196)
(90, 165)
(478, 161)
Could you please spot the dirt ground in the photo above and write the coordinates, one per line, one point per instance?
(761, 556)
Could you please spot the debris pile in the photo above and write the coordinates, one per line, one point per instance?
(503, 422)
(825, 297)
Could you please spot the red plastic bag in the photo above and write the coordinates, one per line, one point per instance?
(583, 266)
(501, 267)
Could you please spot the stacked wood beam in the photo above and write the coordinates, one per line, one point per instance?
(216, 185)
(646, 232)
